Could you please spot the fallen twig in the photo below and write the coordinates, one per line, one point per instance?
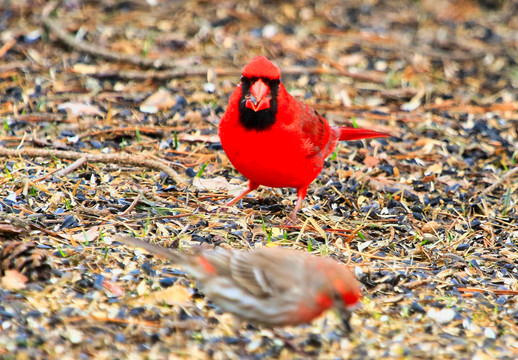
(202, 71)
(72, 167)
(40, 117)
(63, 171)
(499, 181)
(6, 47)
(16, 65)
(119, 158)
(95, 49)
(130, 131)
(93, 211)
(494, 291)
(176, 71)
(133, 204)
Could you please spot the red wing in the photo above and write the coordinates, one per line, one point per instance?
(315, 129)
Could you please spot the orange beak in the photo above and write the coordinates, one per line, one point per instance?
(259, 99)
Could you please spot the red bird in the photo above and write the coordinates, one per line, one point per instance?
(268, 286)
(274, 139)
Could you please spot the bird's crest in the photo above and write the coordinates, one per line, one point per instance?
(261, 67)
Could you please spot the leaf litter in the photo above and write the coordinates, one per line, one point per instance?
(109, 125)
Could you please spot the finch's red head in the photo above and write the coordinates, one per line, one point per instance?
(343, 285)
(339, 289)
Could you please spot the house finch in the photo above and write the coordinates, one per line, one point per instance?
(274, 139)
(267, 286)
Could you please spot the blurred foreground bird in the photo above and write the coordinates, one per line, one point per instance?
(267, 286)
(272, 138)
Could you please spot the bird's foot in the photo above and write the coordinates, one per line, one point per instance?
(291, 221)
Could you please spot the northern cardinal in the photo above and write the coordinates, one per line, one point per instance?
(267, 286)
(274, 139)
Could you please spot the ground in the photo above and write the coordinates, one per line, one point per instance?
(109, 126)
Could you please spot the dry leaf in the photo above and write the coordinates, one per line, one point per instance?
(199, 138)
(85, 236)
(318, 228)
(13, 280)
(85, 69)
(430, 227)
(162, 99)
(11, 230)
(217, 183)
(79, 109)
(113, 288)
(174, 295)
(434, 169)
(384, 184)
(371, 161)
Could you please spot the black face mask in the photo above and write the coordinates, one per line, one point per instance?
(262, 119)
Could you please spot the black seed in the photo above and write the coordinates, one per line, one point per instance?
(98, 283)
(148, 268)
(190, 172)
(119, 337)
(168, 281)
(417, 308)
(463, 247)
(137, 311)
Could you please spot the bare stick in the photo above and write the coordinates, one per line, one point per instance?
(176, 71)
(17, 65)
(160, 75)
(72, 167)
(6, 47)
(135, 201)
(202, 71)
(62, 171)
(92, 211)
(95, 49)
(122, 159)
(499, 181)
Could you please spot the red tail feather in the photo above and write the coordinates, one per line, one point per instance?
(349, 133)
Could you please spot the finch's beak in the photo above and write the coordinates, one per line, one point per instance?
(345, 313)
(345, 316)
(259, 96)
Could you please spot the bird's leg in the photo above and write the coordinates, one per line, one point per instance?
(251, 187)
(301, 194)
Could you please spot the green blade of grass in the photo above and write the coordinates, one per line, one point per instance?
(201, 170)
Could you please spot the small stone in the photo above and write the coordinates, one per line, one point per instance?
(269, 31)
(75, 336)
(442, 316)
(149, 109)
(209, 88)
(254, 345)
(489, 333)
